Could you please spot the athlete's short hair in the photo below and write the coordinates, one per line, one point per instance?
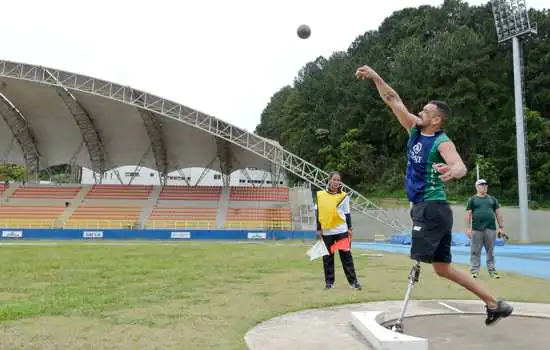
(443, 109)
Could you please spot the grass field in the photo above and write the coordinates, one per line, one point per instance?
(188, 295)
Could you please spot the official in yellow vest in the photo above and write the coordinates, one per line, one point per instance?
(334, 224)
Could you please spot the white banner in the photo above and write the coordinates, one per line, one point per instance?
(257, 235)
(180, 235)
(12, 234)
(92, 234)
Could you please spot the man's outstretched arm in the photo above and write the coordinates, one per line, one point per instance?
(390, 97)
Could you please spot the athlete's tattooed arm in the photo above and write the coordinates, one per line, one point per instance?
(390, 97)
(393, 100)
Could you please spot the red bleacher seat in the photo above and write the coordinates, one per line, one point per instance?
(170, 216)
(209, 193)
(244, 193)
(45, 192)
(104, 216)
(119, 192)
(275, 218)
(23, 216)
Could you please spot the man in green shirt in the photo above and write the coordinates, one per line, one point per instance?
(481, 210)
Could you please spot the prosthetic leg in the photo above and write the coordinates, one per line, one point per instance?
(414, 275)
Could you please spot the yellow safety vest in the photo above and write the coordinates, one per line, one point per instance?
(326, 204)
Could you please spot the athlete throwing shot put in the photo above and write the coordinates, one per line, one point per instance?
(432, 160)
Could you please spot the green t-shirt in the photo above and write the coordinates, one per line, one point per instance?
(483, 211)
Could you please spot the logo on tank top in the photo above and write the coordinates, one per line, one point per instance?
(414, 153)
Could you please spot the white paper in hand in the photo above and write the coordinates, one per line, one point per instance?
(318, 250)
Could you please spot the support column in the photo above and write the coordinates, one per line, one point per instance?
(225, 156)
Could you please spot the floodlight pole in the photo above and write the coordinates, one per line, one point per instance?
(520, 142)
(512, 22)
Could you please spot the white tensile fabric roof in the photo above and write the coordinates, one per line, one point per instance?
(41, 101)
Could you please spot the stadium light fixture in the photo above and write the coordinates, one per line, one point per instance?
(511, 19)
(512, 22)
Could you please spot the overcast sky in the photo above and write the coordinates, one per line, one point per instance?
(224, 58)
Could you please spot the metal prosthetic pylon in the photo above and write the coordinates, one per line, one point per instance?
(414, 275)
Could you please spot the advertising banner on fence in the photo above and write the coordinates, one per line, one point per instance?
(12, 234)
(124, 234)
(257, 235)
(92, 234)
(180, 235)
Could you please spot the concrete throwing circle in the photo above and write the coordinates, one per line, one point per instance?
(465, 332)
(447, 324)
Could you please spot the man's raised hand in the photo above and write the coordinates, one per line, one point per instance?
(365, 72)
(448, 172)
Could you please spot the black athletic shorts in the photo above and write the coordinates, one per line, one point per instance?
(431, 232)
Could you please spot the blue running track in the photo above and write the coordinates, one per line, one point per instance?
(529, 260)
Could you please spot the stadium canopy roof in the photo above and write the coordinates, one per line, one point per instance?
(50, 117)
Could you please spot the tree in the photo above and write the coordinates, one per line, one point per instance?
(449, 52)
(12, 172)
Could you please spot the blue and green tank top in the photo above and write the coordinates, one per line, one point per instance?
(422, 182)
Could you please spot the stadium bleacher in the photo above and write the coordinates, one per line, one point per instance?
(243, 193)
(29, 215)
(122, 207)
(90, 215)
(119, 192)
(125, 134)
(36, 206)
(46, 192)
(190, 193)
(268, 218)
(173, 216)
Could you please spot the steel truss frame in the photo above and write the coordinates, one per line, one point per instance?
(138, 167)
(206, 170)
(244, 171)
(22, 133)
(153, 126)
(85, 124)
(263, 147)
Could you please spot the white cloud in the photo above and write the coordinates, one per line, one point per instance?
(225, 58)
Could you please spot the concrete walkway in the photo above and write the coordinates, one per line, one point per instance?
(447, 324)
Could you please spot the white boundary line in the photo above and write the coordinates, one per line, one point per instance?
(450, 307)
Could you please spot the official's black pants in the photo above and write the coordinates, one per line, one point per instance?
(345, 257)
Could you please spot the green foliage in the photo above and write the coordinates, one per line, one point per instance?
(17, 173)
(12, 173)
(449, 52)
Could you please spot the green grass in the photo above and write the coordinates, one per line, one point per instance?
(189, 294)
